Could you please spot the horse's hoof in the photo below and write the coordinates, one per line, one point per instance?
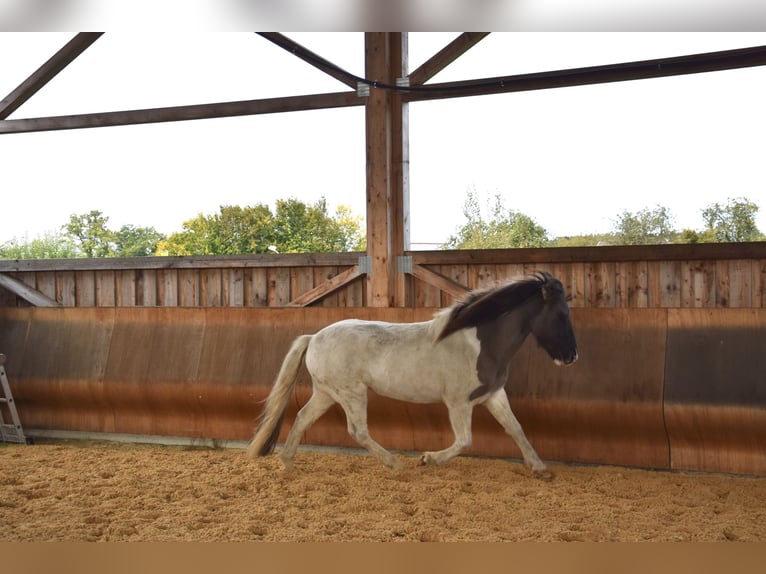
(543, 474)
(287, 463)
(423, 460)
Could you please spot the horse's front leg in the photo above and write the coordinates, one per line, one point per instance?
(460, 419)
(498, 405)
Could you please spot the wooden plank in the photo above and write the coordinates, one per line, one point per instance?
(66, 288)
(85, 288)
(445, 57)
(105, 285)
(301, 282)
(636, 275)
(697, 284)
(481, 276)
(329, 286)
(378, 151)
(183, 113)
(46, 284)
(26, 292)
(439, 281)
(311, 58)
(715, 408)
(167, 288)
(459, 275)
(146, 288)
(189, 288)
(47, 72)
(674, 252)
(352, 295)
(599, 287)
(279, 287)
(322, 274)
(669, 284)
(126, 288)
(211, 287)
(619, 253)
(256, 287)
(740, 278)
(234, 288)
(655, 68)
(759, 283)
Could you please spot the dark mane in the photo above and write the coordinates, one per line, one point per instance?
(482, 306)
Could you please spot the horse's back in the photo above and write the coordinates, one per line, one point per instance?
(398, 360)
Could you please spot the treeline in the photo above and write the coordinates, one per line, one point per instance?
(498, 227)
(298, 227)
(293, 227)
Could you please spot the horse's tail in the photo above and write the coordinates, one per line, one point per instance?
(270, 423)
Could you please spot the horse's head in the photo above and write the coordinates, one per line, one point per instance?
(552, 326)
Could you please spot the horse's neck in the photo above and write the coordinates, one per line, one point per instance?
(502, 338)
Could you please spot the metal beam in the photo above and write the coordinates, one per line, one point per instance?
(47, 72)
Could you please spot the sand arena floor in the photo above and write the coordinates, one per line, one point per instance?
(101, 491)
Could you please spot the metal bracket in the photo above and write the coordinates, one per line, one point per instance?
(404, 264)
(362, 89)
(365, 264)
(403, 82)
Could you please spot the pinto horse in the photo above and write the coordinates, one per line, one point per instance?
(461, 357)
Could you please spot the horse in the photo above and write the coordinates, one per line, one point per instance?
(461, 357)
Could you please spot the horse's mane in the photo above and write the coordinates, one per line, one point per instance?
(483, 305)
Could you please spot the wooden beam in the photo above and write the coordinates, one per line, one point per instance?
(446, 56)
(47, 72)
(437, 280)
(400, 170)
(333, 284)
(184, 113)
(378, 150)
(26, 292)
(644, 69)
(311, 58)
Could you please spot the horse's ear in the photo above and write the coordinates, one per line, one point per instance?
(550, 286)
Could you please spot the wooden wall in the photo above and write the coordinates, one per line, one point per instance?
(670, 276)
(671, 338)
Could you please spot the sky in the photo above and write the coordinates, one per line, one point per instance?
(573, 159)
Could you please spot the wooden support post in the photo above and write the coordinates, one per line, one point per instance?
(387, 169)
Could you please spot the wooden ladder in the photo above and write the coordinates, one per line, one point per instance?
(9, 432)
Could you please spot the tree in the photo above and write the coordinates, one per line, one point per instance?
(50, 246)
(505, 228)
(91, 235)
(732, 222)
(132, 241)
(647, 227)
(296, 227)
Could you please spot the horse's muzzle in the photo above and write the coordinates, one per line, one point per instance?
(568, 361)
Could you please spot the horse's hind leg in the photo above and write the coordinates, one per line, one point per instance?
(460, 419)
(498, 405)
(355, 407)
(311, 411)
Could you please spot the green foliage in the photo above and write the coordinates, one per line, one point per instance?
(647, 227)
(49, 246)
(295, 227)
(132, 241)
(91, 235)
(732, 222)
(504, 229)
